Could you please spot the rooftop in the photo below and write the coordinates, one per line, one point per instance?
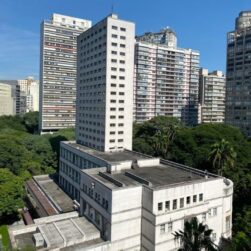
(111, 157)
(54, 194)
(56, 232)
(165, 174)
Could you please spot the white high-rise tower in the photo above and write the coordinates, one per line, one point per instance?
(105, 85)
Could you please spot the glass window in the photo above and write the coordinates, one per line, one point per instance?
(194, 198)
(181, 202)
(159, 206)
(201, 197)
(167, 205)
(174, 204)
(188, 200)
(169, 226)
(114, 27)
(162, 228)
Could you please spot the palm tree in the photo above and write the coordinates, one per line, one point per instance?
(223, 155)
(195, 237)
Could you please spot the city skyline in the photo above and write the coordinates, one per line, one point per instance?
(19, 53)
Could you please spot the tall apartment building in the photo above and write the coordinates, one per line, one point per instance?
(212, 95)
(29, 95)
(58, 52)
(105, 85)
(238, 77)
(6, 100)
(166, 78)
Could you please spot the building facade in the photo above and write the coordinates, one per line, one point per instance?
(212, 95)
(6, 100)
(105, 85)
(58, 52)
(15, 94)
(29, 95)
(166, 80)
(238, 77)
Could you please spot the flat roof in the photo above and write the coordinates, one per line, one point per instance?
(111, 157)
(152, 176)
(54, 193)
(60, 232)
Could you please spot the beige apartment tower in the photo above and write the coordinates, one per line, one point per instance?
(212, 94)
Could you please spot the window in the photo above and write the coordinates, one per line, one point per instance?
(228, 223)
(194, 198)
(120, 140)
(215, 211)
(122, 29)
(122, 37)
(114, 44)
(159, 206)
(162, 228)
(114, 52)
(122, 53)
(214, 237)
(188, 200)
(114, 60)
(122, 61)
(181, 202)
(169, 226)
(114, 35)
(122, 46)
(201, 197)
(112, 133)
(112, 140)
(114, 27)
(174, 204)
(114, 69)
(204, 217)
(167, 205)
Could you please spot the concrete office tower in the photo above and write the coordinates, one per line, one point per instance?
(15, 94)
(105, 85)
(212, 95)
(238, 81)
(6, 100)
(58, 52)
(166, 78)
(29, 95)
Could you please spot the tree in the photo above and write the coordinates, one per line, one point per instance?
(222, 155)
(158, 133)
(30, 120)
(11, 194)
(195, 237)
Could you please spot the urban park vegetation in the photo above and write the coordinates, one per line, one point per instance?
(217, 148)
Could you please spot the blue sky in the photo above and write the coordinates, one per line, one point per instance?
(199, 24)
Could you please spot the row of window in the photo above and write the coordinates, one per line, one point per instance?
(90, 192)
(120, 45)
(76, 160)
(116, 28)
(167, 204)
(116, 36)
